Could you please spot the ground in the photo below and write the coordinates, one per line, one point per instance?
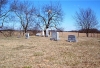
(41, 52)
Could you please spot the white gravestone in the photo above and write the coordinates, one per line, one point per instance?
(55, 36)
(43, 33)
(71, 38)
(38, 34)
(47, 33)
(27, 35)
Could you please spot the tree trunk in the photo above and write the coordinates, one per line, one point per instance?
(87, 34)
(78, 33)
(45, 33)
(25, 30)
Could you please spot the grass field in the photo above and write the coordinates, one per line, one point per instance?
(41, 52)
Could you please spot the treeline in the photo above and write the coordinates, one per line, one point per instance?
(84, 31)
(90, 31)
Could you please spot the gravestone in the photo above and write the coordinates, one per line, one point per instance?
(38, 34)
(18, 36)
(43, 33)
(27, 35)
(47, 33)
(55, 36)
(71, 38)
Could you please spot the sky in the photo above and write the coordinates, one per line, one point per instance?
(69, 8)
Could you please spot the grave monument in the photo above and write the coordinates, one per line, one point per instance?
(27, 35)
(71, 38)
(55, 36)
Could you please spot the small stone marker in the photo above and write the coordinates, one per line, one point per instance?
(18, 36)
(47, 33)
(38, 34)
(71, 38)
(27, 35)
(55, 36)
(43, 33)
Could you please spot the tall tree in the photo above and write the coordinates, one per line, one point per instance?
(86, 19)
(3, 11)
(50, 15)
(25, 12)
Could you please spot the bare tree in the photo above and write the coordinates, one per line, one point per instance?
(25, 12)
(4, 15)
(50, 15)
(86, 19)
(3, 11)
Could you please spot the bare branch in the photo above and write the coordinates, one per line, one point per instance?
(86, 19)
(25, 12)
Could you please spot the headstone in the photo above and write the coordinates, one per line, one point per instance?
(27, 35)
(55, 36)
(71, 38)
(18, 36)
(47, 33)
(43, 33)
(38, 34)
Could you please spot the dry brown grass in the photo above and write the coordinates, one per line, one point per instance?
(41, 52)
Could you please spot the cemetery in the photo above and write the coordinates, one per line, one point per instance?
(34, 38)
(41, 52)
(47, 34)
